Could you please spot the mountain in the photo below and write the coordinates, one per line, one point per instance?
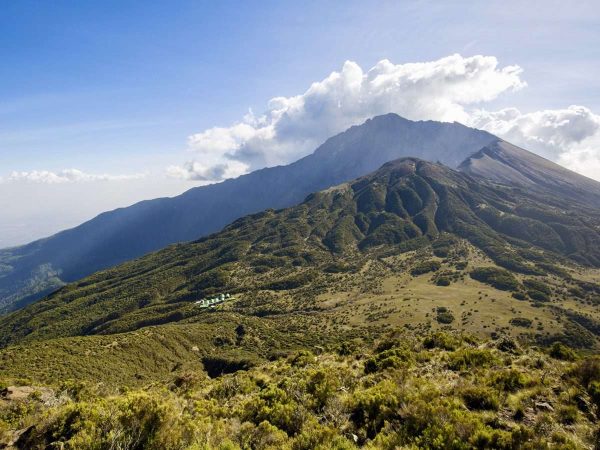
(31, 271)
(395, 310)
(505, 163)
(279, 263)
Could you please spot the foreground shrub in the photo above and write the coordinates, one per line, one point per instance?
(441, 340)
(468, 358)
(559, 350)
(478, 397)
(510, 380)
(134, 421)
(392, 358)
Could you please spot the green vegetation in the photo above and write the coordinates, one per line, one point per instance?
(395, 395)
(280, 264)
(425, 267)
(444, 315)
(302, 356)
(498, 278)
(521, 322)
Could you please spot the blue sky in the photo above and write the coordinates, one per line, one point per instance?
(117, 87)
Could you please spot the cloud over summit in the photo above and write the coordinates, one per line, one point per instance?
(292, 127)
(454, 88)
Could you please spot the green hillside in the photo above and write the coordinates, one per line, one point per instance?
(472, 307)
(279, 262)
(436, 391)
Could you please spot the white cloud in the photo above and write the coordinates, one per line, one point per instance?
(551, 133)
(196, 171)
(63, 176)
(454, 88)
(569, 136)
(294, 126)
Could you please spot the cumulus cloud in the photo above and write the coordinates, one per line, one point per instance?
(197, 171)
(63, 176)
(454, 88)
(292, 127)
(569, 136)
(551, 133)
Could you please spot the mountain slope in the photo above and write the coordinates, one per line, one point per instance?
(278, 262)
(508, 164)
(30, 271)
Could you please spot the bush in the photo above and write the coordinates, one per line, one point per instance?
(467, 358)
(594, 391)
(508, 344)
(567, 414)
(477, 397)
(520, 322)
(441, 340)
(442, 281)
(425, 267)
(559, 350)
(510, 380)
(444, 315)
(537, 285)
(498, 278)
(519, 295)
(392, 358)
(588, 371)
(373, 406)
(538, 296)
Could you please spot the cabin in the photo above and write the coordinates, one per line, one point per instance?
(211, 302)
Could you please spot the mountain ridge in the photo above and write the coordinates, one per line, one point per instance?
(126, 233)
(31, 271)
(408, 204)
(508, 164)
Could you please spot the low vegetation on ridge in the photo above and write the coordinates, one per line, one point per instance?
(444, 391)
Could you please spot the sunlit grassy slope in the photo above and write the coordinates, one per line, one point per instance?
(413, 245)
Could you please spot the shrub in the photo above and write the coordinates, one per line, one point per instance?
(510, 380)
(444, 315)
(425, 267)
(275, 406)
(537, 285)
(442, 281)
(567, 414)
(588, 371)
(477, 397)
(302, 358)
(594, 391)
(373, 406)
(498, 278)
(519, 295)
(392, 358)
(538, 295)
(520, 322)
(467, 358)
(558, 350)
(507, 344)
(441, 340)
(461, 265)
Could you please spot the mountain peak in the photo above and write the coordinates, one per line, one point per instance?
(505, 163)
